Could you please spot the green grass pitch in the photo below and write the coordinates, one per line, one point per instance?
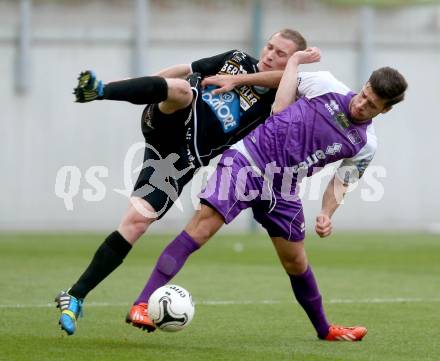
(244, 306)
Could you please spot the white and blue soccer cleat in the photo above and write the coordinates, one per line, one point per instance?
(71, 310)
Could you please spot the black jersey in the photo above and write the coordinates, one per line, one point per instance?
(221, 120)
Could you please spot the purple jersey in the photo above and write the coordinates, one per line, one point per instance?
(314, 131)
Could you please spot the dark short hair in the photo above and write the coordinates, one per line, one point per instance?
(295, 36)
(388, 84)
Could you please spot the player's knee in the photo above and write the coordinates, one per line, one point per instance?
(182, 89)
(295, 264)
(133, 227)
(179, 93)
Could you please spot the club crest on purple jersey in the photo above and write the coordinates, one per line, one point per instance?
(354, 137)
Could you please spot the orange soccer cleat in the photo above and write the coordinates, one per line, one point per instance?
(138, 317)
(341, 333)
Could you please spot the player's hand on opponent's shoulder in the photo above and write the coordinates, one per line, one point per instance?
(323, 226)
(308, 56)
(225, 83)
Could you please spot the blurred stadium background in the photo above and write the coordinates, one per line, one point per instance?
(44, 44)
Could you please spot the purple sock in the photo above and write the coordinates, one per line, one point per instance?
(307, 294)
(169, 263)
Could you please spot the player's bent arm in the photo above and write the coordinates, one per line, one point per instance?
(333, 196)
(286, 92)
(176, 71)
(287, 89)
(226, 82)
(267, 79)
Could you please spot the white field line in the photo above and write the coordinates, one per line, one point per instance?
(236, 302)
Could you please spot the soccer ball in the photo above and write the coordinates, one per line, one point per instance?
(171, 308)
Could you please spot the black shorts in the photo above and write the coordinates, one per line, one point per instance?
(168, 158)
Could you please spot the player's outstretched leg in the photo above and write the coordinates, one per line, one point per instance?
(71, 310)
(143, 90)
(88, 88)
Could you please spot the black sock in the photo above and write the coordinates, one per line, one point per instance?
(144, 90)
(107, 258)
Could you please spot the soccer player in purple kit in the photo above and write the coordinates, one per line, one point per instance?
(327, 123)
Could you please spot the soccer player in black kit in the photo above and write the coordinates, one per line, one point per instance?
(194, 113)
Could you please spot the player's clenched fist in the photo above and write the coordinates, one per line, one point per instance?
(308, 56)
(323, 225)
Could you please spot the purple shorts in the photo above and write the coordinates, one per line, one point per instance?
(236, 185)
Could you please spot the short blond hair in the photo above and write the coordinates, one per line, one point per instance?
(294, 36)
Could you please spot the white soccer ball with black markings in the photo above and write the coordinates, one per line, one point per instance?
(171, 308)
